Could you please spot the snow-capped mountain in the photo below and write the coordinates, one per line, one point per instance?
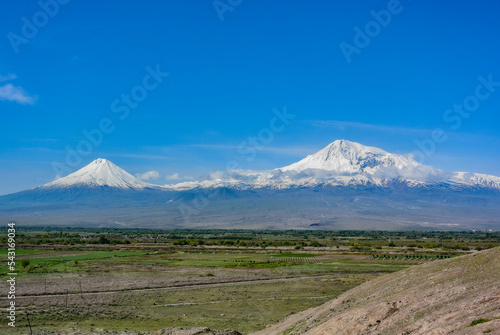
(341, 163)
(345, 163)
(99, 173)
(345, 157)
(346, 185)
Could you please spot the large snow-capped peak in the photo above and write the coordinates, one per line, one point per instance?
(99, 173)
(345, 157)
(344, 163)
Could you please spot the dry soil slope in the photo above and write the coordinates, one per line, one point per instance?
(441, 297)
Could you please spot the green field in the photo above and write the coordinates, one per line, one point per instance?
(143, 285)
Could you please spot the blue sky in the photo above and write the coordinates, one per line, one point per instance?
(73, 72)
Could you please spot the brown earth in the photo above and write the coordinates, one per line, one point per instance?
(440, 297)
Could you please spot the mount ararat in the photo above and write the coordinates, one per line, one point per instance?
(346, 185)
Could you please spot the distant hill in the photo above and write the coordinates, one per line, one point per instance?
(442, 297)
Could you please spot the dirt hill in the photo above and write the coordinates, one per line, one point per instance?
(441, 297)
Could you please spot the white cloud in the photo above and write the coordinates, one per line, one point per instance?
(421, 172)
(174, 176)
(150, 175)
(15, 93)
(8, 77)
(410, 155)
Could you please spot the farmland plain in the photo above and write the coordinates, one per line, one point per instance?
(244, 280)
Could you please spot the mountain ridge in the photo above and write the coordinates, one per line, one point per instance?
(344, 163)
(372, 190)
(341, 163)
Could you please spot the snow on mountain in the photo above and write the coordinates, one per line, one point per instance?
(99, 173)
(345, 157)
(476, 179)
(343, 163)
(343, 186)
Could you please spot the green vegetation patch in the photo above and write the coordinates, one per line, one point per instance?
(478, 321)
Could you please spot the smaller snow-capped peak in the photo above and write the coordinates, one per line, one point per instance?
(476, 179)
(346, 157)
(100, 172)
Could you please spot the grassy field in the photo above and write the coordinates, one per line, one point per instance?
(148, 286)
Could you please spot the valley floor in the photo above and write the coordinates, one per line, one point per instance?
(146, 287)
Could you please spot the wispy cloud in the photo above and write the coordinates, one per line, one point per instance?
(174, 176)
(212, 146)
(290, 151)
(16, 94)
(366, 126)
(286, 151)
(150, 175)
(44, 140)
(8, 77)
(415, 132)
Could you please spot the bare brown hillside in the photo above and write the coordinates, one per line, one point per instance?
(441, 297)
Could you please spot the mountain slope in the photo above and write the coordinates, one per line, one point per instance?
(99, 173)
(441, 297)
(345, 157)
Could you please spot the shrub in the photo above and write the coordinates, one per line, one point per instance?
(478, 321)
(103, 240)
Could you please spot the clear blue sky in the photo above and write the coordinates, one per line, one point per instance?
(226, 77)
